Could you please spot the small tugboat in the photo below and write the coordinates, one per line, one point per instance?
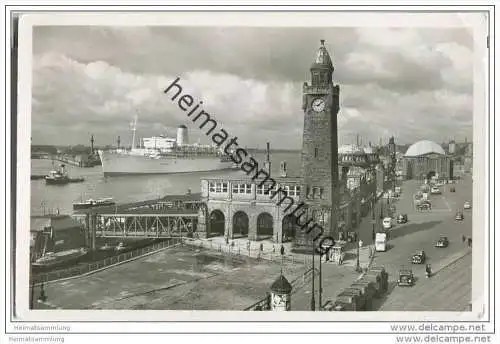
(52, 259)
(60, 177)
(90, 203)
(57, 177)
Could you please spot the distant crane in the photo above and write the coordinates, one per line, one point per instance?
(134, 128)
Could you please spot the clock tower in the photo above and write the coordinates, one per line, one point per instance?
(320, 102)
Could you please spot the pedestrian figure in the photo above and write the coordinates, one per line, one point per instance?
(227, 240)
(282, 250)
(469, 242)
(232, 243)
(463, 238)
(274, 249)
(261, 246)
(360, 243)
(428, 271)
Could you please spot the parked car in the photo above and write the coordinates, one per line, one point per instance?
(435, 191)
(387, 223)
(424, 205)
(402, 218)
(467, 205)
(442, 242)
(405, 278)
(418, 257)
(459, 216)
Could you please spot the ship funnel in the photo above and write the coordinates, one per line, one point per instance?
(182, 135)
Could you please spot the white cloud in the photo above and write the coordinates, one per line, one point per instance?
(401, 81)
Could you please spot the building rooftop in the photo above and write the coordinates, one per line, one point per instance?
(281, 285)
(147, 207)
(351, 149)
(322, 59)
(249, 180)
(424, 147)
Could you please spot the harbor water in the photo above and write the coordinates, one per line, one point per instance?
(131, 188)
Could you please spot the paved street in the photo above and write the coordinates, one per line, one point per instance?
(422, 230)
(448, 290)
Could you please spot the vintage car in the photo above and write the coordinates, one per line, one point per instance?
(435, 191)
(459, 216)
(424, 205)
(406, 278)
(442, 242)
(402, 218)
(467, 205)
(418, 257)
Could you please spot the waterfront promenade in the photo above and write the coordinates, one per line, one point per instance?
(208, 275)
(189, 278)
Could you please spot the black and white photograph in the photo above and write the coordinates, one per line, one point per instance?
(261, 163)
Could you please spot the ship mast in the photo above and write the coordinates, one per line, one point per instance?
(134, 128)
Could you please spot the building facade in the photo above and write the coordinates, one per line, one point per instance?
(426, 159)
(243, 208)
(333, 189)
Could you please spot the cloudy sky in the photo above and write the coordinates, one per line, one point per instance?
(410, 83)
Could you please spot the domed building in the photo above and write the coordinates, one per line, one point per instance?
(426, 159)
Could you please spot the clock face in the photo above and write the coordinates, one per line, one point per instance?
(318, 105)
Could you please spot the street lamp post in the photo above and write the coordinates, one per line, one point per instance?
(313, 301)
(373, 220)
(32, 294)
(320, 281)
(357, 256)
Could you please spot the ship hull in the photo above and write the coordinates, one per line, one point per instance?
(114, 164)
(58, 261)
(56, 181)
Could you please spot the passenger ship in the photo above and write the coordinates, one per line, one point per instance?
(164, 155)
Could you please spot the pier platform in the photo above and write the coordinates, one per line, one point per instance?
(187, 278)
